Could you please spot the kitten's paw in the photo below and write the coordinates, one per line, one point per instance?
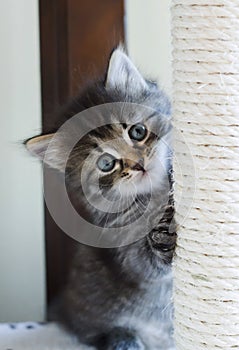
(120, 339)
(163, 242)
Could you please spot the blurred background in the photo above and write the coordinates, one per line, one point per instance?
(49, 49)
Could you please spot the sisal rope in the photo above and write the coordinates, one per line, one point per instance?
(206, 114)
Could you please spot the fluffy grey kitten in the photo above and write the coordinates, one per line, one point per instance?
(119, 298)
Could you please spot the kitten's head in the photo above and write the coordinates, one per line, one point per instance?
(126, 152)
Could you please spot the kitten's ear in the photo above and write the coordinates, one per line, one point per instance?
(123, 75)
(38, 146)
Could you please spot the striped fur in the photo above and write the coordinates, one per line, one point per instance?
(120, 298)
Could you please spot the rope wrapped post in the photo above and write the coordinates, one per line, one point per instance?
(206, 110)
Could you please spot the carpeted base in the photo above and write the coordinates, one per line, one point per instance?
(37, 336)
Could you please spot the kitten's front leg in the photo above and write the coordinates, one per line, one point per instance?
(119, 338)
(163, 237)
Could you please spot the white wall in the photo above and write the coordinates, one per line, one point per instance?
(22, 292)
(148, 38)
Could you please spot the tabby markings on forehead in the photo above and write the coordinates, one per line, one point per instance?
(98, 148)
(124, 125)
(103, 131)
(154, 114)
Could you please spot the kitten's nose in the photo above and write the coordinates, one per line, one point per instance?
(139, 166)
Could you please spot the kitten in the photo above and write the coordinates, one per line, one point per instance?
(119, 298)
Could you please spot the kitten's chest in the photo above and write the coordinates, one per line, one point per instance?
(152, 313)
(152, 302)
(156, 302)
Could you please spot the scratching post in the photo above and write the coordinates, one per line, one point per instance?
(206, 119)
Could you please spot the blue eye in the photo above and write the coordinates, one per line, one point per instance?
(106, 162)
(137, 132)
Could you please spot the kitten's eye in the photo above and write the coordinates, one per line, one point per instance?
(106, 162)
(137, 132)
